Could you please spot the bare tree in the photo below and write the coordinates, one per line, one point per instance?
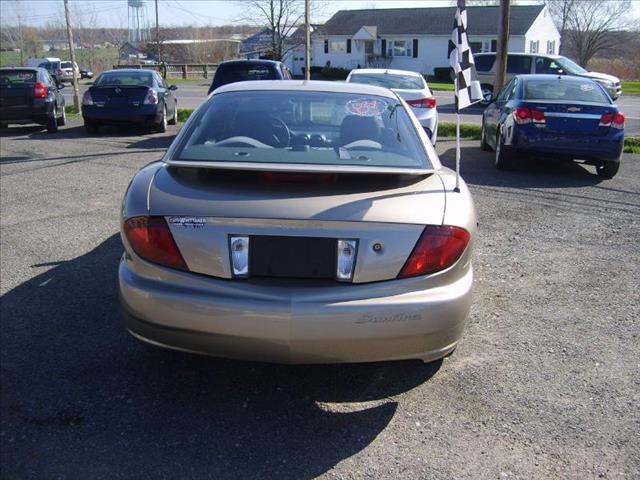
(587, 26)
(282, 18)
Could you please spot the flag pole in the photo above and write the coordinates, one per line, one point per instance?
(457, 189)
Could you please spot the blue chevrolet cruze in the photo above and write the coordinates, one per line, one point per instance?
(554, 116)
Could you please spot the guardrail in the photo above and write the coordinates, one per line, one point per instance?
(178, 70)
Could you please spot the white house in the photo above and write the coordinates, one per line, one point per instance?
(417, 38)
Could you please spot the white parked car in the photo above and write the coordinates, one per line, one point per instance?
(410, 86)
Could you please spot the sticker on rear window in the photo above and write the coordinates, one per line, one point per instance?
(585, 87)
(365, 107)
(188, 222)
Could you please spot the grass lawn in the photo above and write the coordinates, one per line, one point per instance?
(441, 87)
(631, 87)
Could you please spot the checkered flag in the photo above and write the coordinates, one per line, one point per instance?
(467, 87)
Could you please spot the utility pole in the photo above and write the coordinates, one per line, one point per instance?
(307, 40)
(159, 60)
(76, 100)
(502, 46)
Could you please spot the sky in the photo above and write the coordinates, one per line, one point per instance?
(113, 13)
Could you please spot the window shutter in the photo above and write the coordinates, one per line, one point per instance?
(415, 48)
(494, 46)
(348, 45)
(326, 46)
(383, 47)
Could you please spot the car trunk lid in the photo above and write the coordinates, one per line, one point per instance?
(573, 118)
(385, 214)
(119, 95)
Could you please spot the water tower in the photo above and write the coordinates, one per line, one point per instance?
(138, 24)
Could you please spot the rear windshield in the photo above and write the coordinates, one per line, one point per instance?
(240, 72)
(565, 90)
(17, 77)
(387, 80)
(141, 79)
(65, 65)
(319, 128)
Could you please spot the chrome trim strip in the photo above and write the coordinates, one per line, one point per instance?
(588, 116)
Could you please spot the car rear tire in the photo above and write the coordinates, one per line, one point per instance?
(483, 139)
(52, 122)
(174, 118)
(608, 169)
(161, 126)
(504, 157)
(62, 120)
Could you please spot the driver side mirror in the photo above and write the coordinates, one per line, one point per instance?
(60, 86)
(173, 87)
(488, 98)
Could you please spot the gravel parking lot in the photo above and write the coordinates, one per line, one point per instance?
(545, 384)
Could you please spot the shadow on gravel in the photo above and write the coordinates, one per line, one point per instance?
(82, 399)
(477, 168)
(153, 142)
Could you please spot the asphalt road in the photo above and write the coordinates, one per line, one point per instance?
(191, 95)
(545, 383)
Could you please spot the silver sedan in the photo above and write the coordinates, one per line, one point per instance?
(299, 222)
(410, 86)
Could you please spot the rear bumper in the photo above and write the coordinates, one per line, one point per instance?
(145, 115)
(586, 147)
(391, 320)
(26, 114)
(428, 118)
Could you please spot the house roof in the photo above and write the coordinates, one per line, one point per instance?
(430, 21)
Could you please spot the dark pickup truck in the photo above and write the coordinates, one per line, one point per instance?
(30, 95)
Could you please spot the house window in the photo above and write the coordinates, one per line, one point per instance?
(551, 47)
(476, 47)
(338, 46)
(534, 46)
(399, 48)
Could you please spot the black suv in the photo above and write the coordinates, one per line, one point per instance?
(242, 70)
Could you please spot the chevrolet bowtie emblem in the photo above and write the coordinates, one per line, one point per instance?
(117, 90)
(573, 109)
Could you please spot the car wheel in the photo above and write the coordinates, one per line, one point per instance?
(91, 127)
(52, 122)
(174, 118)
(62, 120)
(161, 126)
(504, 160)
(608, 169)
(483, 139)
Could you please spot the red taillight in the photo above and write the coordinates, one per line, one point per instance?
(428, 102)
(438, 248)
(614, 120)
(276, 177)
(523, 116)
(151, 239)
(87, 99)
(152, 97)
(40, 90)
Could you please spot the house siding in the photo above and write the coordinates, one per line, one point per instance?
(542, 30)
(433, 52)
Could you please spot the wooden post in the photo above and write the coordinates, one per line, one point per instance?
(205, 70)
(76, 94)
(307, 40)
(184, 71)
(502, 46)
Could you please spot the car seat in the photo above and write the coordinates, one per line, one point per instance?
(355, 127)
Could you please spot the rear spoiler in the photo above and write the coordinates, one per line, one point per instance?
(298, 167)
